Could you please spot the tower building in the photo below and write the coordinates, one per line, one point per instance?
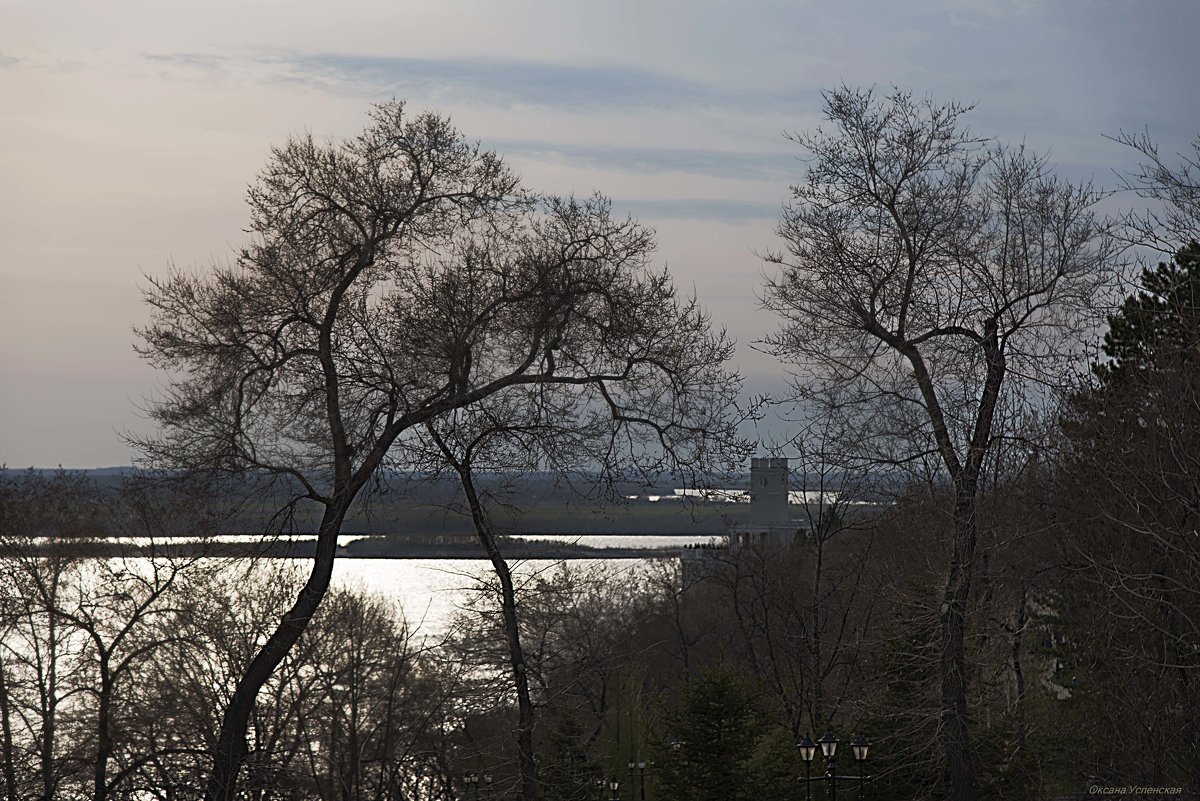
(770, 521)
(769, 491)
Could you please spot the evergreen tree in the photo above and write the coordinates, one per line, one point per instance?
(1159, 327)
(569, 769)
(1128, 499)
(711, 737)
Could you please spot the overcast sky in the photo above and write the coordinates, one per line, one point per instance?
(129, 131)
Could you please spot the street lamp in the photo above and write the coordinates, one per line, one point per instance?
(641, 773)
(471, 779)
(614, 785)
(808, 750)
(828, 745)
(859, 747)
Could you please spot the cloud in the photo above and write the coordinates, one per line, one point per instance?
(775, 167)
(207, 62)
(7, 61)
(500, 82)
(711, 209)
(497, 82)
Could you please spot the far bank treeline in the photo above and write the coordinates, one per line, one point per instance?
(424, 507)
(1018, 619)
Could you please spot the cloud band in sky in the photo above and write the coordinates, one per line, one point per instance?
(501, 82)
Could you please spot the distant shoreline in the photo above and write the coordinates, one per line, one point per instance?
(366, 548)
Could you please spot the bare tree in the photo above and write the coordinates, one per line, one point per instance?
(42, 661)
(120, 608)
(926, 275)
(585, 440)
(230, 610)
(462, 461)
(841, 597)
(79, 631)
(42, 519)
(1173, 218)
(587, 633)
(392, 279)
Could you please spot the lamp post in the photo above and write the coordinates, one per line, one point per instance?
(828, 745)
(471, 780)
(614, 786)
(859, 747)
(808, 750)
(633, 779)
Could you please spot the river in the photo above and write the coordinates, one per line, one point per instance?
(430, 591)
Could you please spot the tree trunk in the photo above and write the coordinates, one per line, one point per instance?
(50, 699)
(10, 775)
(817, 713)
(103, 733)
(525, 756)
(960, 772)
(512, 631)
(231, 749)
(960, 769)
(1018, 639)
